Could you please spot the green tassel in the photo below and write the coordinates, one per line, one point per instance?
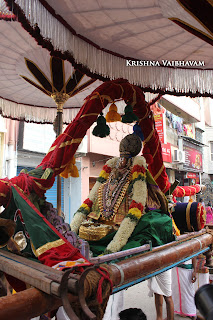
(101, 129)
(129, 116)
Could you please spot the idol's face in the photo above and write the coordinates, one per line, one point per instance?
(123, 162)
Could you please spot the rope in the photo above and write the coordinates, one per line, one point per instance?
(105, 276)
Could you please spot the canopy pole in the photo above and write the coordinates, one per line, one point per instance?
(60, 98)
(59, 131)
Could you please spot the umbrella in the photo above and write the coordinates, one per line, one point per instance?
(27, 76)
(162, 46)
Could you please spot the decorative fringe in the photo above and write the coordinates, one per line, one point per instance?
(70, 170)
(113, 115)
(17, 111)
(177, 80)
(129, 116)
(101, 130)
(137, 130)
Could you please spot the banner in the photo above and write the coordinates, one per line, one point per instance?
(193, 158)
(159, 126)
(166, 152)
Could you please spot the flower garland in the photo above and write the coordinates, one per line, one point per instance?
(138, 187)
(86, 206)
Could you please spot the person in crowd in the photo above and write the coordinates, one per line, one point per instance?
(161, 286)
(183, 290)
(132, 314)
(202, 202)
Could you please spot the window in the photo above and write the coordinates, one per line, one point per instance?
(199, 135)
(211, 150)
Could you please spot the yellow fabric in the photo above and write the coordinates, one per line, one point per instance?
(177, 231)
(49, 246)
(70, 170)
(188, 216)
(112, 115)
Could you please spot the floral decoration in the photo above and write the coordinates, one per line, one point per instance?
(139, 196)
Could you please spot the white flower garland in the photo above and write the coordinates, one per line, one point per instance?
(139, 195)
(128, 225)
(79, 217)
(122, 235)
(77, 220)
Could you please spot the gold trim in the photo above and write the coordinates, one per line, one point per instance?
(156, 149)
(147, 112)
(188, 216)
(198, 214)
(184, 191)
(149, 136)
(51, 70)
(48, 246)
(103, 96)
(35, 76)
(159, 172)
(195, 17)
(4, 181)
(134, 100)
(3, 195)
(40, 186)
(89, 114)
(122, 89)
(67, 143)
(189, 25)
(64, 144)
(165, 186)
(210, 2)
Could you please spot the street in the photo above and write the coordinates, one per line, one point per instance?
(137, 297)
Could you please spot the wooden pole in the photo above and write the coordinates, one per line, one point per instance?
(59, 131)
(28, 304)
(32, 302)
(60, 98)
(158, 259)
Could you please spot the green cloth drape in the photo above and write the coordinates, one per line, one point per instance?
(154, 225)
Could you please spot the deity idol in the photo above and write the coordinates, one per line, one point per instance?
(125, 208)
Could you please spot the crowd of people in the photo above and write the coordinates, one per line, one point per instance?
(176, 287)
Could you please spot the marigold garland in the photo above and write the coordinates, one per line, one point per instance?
(135, 212)
(138, 168)
(107, 169)
(88, 202)
(139, 190)
(136, 208)
(136, 175)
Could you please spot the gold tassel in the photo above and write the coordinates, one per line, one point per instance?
(112, 115)
(70, 170)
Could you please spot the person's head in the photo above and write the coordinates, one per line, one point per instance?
(130, 146)
(132, 314)
(201, 200)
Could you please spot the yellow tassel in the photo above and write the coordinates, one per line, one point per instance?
(70, 170)
(112, 115)
(177, 231)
